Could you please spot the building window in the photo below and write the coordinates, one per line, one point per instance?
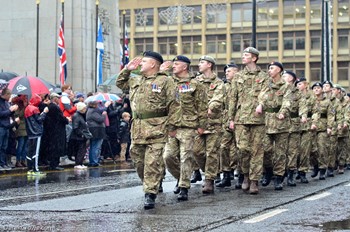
(294, 40)
(343, 8)
(144, 17)
(127, 18)
(315, 9)
(315, 40)
(343, 71)
(241, 12)
(267, 10)
(315, 69)
(167, 46)
(142, 45)
(294, 10)
(216, 13)
(267, 41)
(191, 45)
(343, 39)
(297, 68)
(240, 42)
(216, 44)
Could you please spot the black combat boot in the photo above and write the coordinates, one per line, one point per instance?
(160, 189)
(183, 195)
(226, 181)
(267, 177)
(322, 174)
(290, 180)
(315, 171)
(217, 179)
(303, 178)
(238, 185)
(232, 174)
(196, 176)
(278, 183)
(150, 200)
(176, 189)
(330, 172)
(297, 176)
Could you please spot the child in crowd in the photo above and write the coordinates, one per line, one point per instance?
(124, 135)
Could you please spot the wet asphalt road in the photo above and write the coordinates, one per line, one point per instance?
(111, 199)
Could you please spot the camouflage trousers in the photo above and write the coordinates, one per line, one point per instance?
(293, 150)
(228, 154)
(178, 155)
(343, 147)
(319, 155)
(277, 147)
(148, 160)
(305, 150)
(206, 152)
(249, 139)
(333, 151)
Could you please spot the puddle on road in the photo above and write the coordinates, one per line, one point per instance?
(335, 225)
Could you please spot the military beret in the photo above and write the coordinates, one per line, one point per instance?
(301, 79)
(208, 58)
(291, 73)
(317, 84)
(252, 50)
(182, 59)
(153, 55)
(328, 82)
(278, 64)
(337, 86)
(230, 66)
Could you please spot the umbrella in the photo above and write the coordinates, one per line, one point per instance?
(8, 75)
(103, 97)
(27, 85)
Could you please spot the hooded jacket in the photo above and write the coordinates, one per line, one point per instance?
(34, 120)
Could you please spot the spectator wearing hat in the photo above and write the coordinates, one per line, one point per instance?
(55, 133)
(78, 140)
(151, 96)
(275, 102)
(248, 124)
(206, 147)
(323, 119)
(228, 154)
(306, 136)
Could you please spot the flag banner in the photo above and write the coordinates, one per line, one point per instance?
(62, 53)
(126, 47)
(100, 51)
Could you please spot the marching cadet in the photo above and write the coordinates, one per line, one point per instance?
(274, 100)
(297, 109)
(151, 96)
(306, 134)
(207, 145)
(248, 125)
(228, 156)
(343, 131)
(322, 123)
(189, 116)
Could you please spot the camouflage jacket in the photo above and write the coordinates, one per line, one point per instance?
(151, 99)
(225, 121)
(246, 87)
(308, 103)
(216, 99)
(275, 100)
(335, 107)
(190, 105)
(297, 108)
(323, 115)
(340, 117)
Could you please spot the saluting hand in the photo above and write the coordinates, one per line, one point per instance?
(133, 64)
(165, 66)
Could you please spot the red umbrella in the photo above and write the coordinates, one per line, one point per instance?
(29, 86)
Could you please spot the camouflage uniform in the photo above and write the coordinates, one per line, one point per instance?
(249, 128)
(333, 139)
(275, 99)
(323, 117)
(306, 134)
(206, 146)
(343, 134)
(151, 98)
(188, 113)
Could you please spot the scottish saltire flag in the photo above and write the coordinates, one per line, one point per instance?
(100, 51)
(62, 53)
(126, 46)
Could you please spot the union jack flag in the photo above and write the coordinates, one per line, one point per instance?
(126, 45)
(62, 53)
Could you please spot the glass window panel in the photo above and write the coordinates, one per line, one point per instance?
(343, 74)
(186, 48)
(162, 49)
(139, 49)
(343, 8)
(300, 43)
(236, 45)
(343, 42)
(197, 48)
(149, 15)
(262, 45)
(315, 9)
(288, 43)
(315, 43)
(149, 47)
(222, 47)
(211, 45)
(273, 44)
(287, 12)
(197, 14)
(236, 15)
(247, 15)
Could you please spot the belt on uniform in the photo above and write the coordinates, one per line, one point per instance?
(273, 110)
(147, 115)
(323, 116)
(309, 114)
(294, 114)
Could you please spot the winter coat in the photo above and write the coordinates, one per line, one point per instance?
(124, 132)
(34, 120)
(5, 114)
(95, 121)
(78, 124)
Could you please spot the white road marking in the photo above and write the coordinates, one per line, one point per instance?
(265, 216)
(318, 196)
(123, 170)
(347, 185)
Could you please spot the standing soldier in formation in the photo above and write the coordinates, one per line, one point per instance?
(207, 145)
(322, 123)
(306, 134)
(228, 151)
(189, 116)
(249, 126)
(274, 100)
(151, 96)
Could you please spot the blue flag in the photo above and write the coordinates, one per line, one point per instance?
(100, 51)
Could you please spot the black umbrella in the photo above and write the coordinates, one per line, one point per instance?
(8, 75)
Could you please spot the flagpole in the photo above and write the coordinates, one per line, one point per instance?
(96, 74)
(37, 38)
(124, 25)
